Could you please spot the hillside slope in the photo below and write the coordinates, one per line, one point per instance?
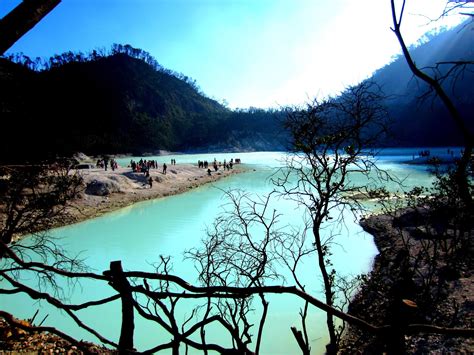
(114, 104)
(123, 101)
(426, 122)
(118, 103)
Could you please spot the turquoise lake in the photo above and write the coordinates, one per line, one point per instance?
(138, 234)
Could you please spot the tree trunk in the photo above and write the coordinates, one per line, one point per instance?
(332, 347)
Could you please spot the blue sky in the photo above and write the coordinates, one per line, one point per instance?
(262, 53)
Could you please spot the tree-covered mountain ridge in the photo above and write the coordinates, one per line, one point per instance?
(123, 101)
(120, 101)
(419, 118)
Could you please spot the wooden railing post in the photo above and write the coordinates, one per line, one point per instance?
(401, 319)
(300, 340)
(120, 283)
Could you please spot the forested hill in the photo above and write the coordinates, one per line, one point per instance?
(420, 119)
(117, 102)
(123, 101)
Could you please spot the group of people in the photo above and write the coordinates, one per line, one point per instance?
(215, 164)
(203, 164)
(143, 166)
(104, 163)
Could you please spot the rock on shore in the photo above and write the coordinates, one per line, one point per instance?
(106, 191)
(392, 280)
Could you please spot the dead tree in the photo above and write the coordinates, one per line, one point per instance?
(458, 6)
(32, 197)
(162, 291)
(234, 254)
(331, 141)
(435, 83)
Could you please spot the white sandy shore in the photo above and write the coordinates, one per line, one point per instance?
(128, 187)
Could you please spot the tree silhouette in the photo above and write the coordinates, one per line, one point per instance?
(22, 19)
(435, 83)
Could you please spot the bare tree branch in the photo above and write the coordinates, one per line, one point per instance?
(22, 19)
(463, 166)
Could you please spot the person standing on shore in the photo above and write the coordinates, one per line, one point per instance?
(164, 168)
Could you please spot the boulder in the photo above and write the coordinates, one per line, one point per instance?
(102, 187)
(81, 158)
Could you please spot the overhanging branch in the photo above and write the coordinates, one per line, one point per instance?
(22, 19)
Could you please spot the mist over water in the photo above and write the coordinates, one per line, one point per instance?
(139, 234)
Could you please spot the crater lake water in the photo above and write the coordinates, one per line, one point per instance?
(139, 234)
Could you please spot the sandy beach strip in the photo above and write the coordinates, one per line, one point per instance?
(125, 188)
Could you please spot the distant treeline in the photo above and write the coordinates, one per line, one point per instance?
(117, 101)
(122, 100)
(39, 64)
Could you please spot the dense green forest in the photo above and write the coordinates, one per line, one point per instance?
(117, 101)
(123, 101)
